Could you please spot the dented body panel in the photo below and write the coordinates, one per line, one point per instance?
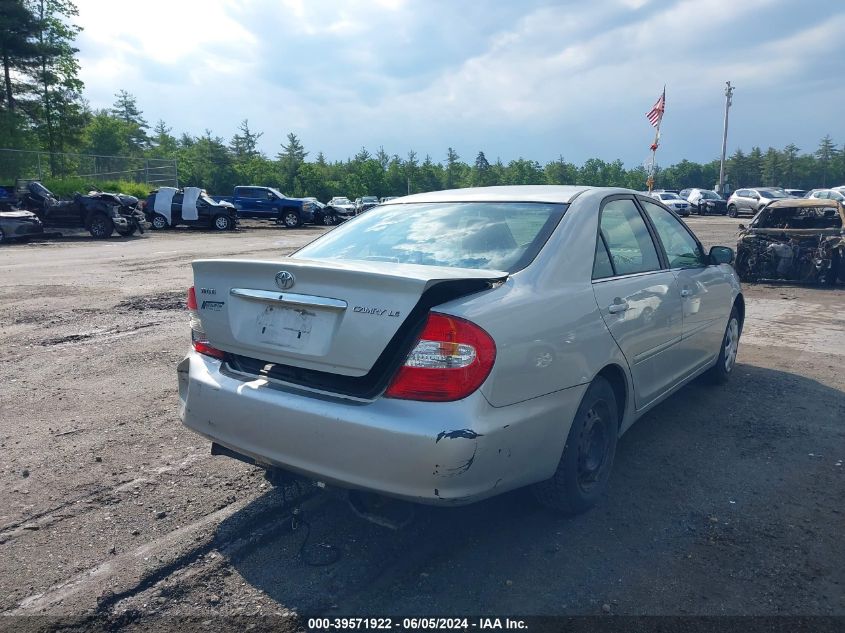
(439, 453)
(794, 240)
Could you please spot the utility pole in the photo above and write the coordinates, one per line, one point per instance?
(729, 91)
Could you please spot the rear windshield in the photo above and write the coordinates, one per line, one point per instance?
(486, 235)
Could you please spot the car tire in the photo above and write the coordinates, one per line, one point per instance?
(101, 227)
(291, 219)
(222, 222)
(583, 472)
(328, 219)
(732, 211)
(159, 222)
(2, 236)
(721, 371)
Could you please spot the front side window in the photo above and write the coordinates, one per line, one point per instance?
(681, 248)
(628, 240)
(485, 235)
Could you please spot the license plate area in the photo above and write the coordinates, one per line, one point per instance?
(298, 329)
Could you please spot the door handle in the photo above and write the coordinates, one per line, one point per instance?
(617, 308)
(686, 292)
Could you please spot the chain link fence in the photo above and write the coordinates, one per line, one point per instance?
(156, 172)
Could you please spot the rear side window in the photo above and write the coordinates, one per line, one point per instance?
(681, 248)
(628, 240)
(602, 267)
(486, 235)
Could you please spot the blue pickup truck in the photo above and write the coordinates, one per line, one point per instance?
(270, 203)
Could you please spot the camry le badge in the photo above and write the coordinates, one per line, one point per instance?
(285, 280)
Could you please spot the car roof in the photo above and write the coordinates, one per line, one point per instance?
(561, 194)
(803, 203)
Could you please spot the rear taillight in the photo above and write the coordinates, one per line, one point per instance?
(451, 359)
(199, 340)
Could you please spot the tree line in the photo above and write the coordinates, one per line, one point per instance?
(43, 108)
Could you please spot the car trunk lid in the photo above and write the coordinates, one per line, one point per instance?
(335, 317)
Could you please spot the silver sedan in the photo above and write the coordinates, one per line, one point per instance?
(450, 346)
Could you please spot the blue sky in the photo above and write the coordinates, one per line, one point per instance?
(526, 78)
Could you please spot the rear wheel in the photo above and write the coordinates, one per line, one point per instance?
(721, 371)
(291, 219)
(732, 211)
(101, 227)
(583, 472)
(222, 223)
(159, 222)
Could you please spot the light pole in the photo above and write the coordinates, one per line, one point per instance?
(729, 90)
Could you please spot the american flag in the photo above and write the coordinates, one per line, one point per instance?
(656, 113)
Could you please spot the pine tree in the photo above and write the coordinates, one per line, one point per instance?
(826, 155)
(481, 171)
(126, 109)
(790, 154)
(17, 48)
(245, 145)
(451, 168)
(292, 156)
(60, 114)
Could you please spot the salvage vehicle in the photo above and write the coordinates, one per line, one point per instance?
(101, 214)
(323, 214)
(343, 206)
(16, 225)
(191, 206)
(270, 203)
(450, 346)
(752, 200)
(706, 202)
(799, 239)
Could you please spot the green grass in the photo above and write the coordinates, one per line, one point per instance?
(66, 187)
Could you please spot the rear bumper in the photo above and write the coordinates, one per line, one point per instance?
(439, 453)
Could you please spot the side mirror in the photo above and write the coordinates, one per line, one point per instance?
(721, 255)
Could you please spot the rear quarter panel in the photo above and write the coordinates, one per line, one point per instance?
(545, 320)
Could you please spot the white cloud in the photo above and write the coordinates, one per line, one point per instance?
(533, 79)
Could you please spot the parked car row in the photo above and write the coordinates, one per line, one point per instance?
(742, 201)
(29, 209)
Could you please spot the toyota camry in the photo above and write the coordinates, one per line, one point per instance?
(450, 346)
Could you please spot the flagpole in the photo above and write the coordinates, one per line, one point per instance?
(650, 179)
(655, 145)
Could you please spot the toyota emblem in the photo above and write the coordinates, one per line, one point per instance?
(285, 280)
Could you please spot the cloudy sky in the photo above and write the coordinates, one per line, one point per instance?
(527, 78)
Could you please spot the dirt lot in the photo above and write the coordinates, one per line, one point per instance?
(724, 500)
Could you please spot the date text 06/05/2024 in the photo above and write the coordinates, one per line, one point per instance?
(415, 624)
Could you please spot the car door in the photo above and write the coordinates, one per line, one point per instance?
(246, 202)
(176, 208)
(705, 288)
(638, 298)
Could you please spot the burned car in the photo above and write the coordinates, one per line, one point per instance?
(794, 240)
(101, 214)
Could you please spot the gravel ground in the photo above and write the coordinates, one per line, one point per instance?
(723, 500)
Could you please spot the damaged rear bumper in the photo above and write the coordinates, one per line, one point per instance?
(438, 453)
